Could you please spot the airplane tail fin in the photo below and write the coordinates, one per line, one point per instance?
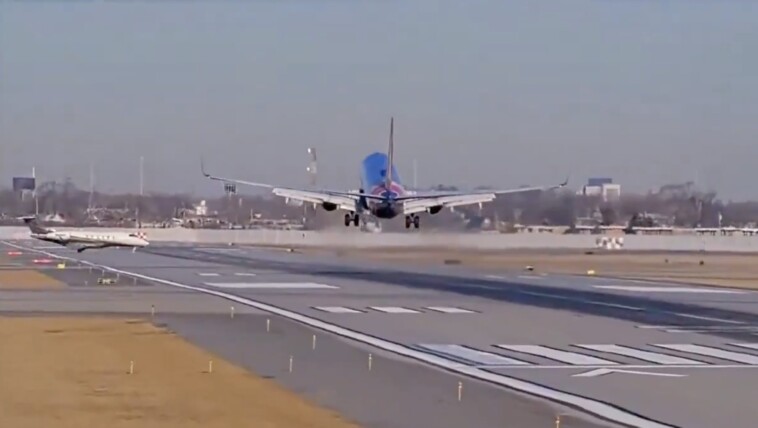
(31, 222)
(390, 151)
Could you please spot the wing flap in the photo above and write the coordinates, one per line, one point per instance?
(342, 201)
(420, 205)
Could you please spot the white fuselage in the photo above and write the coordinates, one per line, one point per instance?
(92, 238)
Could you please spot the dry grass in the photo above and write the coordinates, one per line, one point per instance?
(68, 372)
(27, 279)
(731, 270)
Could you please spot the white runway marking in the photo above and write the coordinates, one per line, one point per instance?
(207, 274)
(640, 354)
(641, 289)
(337, 310)
(529, 277)
(713, 352)
(270, 285)
(394, 310)
(595, 407)
(558, 355)
(699, 317)
(449, 310)
(244, 274)
(473, 355)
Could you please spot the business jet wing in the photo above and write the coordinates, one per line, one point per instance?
(341, 199)
(421, 202)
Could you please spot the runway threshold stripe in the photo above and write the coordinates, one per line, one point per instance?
(712, 352)
(474, 356)
(567, 357)
(599, 408)
(639, 354)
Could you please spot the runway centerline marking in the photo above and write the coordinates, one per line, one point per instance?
(599, 408)
(337, 310)
(208, 274)
(700, 317)
(449, 310)
(271, 285)
(394, 310)
(651, 289)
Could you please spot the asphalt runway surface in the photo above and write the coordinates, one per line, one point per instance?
(639, 353)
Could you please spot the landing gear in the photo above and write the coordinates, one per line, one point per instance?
(412, 220)
(352, 218)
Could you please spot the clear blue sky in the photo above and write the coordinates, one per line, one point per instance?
(501, 93)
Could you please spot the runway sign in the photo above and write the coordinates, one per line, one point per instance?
(271, 285)
(642, 289)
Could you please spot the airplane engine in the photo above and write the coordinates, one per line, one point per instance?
(62, 236)
(329, 206)
(435, 210)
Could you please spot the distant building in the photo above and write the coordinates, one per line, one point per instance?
(603, 187)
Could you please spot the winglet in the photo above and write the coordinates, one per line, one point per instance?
(202, 168)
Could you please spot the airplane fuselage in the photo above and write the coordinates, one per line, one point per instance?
(94, 239)
(373, 170)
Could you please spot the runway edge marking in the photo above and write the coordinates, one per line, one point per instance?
(598, 408)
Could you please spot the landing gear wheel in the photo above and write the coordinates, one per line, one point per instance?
(416, 222)
(356, 220)
(407, 222)
(347, 220)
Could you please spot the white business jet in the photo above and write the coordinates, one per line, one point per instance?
(86, 238)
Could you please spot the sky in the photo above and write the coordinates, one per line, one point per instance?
(498, 93)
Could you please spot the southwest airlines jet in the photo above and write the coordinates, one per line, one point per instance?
(382, 194)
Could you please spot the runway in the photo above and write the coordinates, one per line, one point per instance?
(638, 353)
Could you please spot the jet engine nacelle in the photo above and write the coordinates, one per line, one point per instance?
(329, 206)
(435, 209)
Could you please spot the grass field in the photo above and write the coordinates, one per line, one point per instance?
(73, 372)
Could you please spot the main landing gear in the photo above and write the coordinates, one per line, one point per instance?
(354, 218)
(412, 219)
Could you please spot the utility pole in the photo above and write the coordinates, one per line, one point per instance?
(34, 192)
(141, 189)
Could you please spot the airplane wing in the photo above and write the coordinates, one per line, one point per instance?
(421, 202)
(343, 200)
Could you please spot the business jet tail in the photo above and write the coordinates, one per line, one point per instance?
(31, 222)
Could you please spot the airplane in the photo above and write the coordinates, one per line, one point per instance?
(96, 240)
(381, 193)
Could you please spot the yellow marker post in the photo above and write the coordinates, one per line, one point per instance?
(558, 421)
(152, 311)
(460, 391)
(591, 272)
(268, 325)
(131, 367)
(370, 361)
(314, 342)
(210, 366)
(61, 266)
(231, 314)
(291, 361)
